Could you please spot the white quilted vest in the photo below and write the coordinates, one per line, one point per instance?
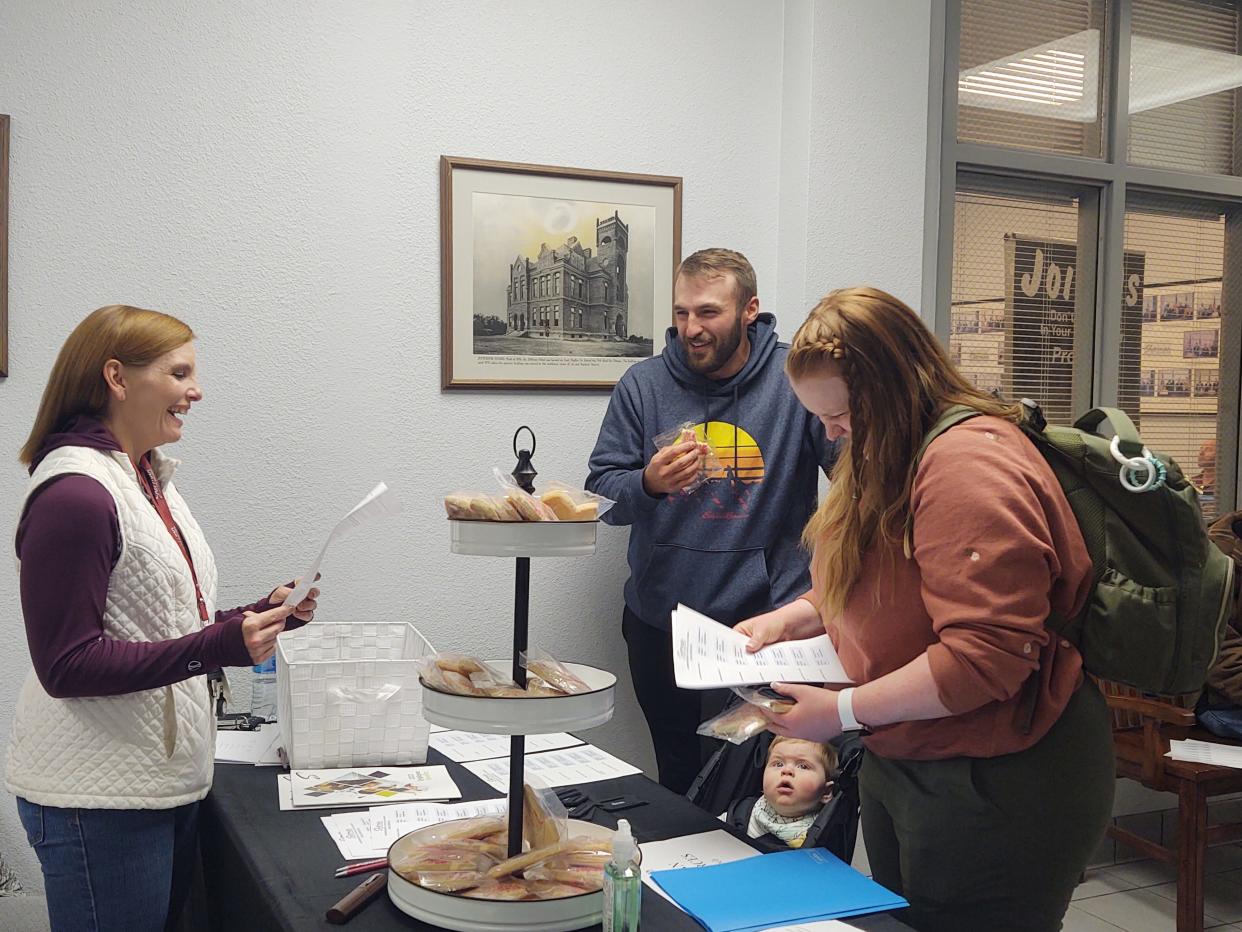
(151, 749)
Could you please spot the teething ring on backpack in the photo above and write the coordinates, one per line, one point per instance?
(1130, 484)
(1130, 466)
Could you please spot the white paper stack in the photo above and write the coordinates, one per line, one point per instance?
(708, 655)
(1206, 752)
(367, 835)
(249, 747)
(367, 786)
(717, 847)
(568, 767)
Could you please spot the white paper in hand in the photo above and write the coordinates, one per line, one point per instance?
(378, 503)
(707, 655)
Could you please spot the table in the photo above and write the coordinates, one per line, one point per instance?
(264, 869)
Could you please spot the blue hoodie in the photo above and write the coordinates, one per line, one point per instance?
(730, 548)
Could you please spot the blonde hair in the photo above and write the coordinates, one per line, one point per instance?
(132, 335)
(900, 381)
(712, 263)
(826, 753)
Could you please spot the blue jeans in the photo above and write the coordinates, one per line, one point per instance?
(1224, 720)
(113, 870)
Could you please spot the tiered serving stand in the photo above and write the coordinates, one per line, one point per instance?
(516, 717)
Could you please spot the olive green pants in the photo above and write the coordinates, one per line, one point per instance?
(993, 844)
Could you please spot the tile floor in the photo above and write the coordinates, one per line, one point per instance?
(1141, 896)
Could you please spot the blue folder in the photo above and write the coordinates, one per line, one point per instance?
(774, 890)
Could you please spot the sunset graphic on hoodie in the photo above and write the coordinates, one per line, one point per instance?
(737, 451)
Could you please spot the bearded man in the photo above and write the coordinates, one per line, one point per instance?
(727, 547)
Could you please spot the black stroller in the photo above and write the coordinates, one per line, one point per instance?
(734, 774)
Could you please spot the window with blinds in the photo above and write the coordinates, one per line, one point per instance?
(1184, 72)
(1172, 354)
(1029, 74)
(1014, 316)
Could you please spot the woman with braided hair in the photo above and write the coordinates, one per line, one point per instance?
(990, 776)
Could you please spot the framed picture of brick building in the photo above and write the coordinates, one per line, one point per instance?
(550, 277)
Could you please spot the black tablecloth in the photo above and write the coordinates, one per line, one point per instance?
(269, 870)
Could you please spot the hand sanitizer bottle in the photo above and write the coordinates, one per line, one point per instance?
(623, 883)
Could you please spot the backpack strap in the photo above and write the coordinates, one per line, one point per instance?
(1127, 434)
(952, 416)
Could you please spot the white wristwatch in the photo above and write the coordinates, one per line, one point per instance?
(845, 710)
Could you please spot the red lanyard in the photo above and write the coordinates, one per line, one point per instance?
(155, 495)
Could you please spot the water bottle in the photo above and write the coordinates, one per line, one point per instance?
(263, 690)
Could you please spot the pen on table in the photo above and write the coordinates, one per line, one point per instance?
(357, 898)
(361, 867)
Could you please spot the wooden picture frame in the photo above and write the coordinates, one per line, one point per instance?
(552, 277)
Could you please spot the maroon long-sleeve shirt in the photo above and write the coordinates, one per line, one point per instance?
(68, 541)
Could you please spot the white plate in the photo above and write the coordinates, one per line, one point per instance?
(523, 538)
(464, 914)
(539, 715)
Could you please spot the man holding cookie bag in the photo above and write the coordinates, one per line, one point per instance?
(714, 465)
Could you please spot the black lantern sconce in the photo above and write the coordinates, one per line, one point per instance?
(524, 472)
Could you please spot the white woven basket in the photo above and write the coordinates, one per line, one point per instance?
(349, 694)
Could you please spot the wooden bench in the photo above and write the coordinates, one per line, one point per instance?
(1142, 727)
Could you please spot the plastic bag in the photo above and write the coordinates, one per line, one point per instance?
(545, 820)
(481, 828)
(537, 688)
(463, 675)
(587, 878)
(765, 697)
(448, 881)
(454, 856)
(735, 725)
(520, 862)
(509, 888)
(552, 671)
(479, 506)
(742, 722)
(529, 507)
(583, 852)
(710, 466)
(571, 504)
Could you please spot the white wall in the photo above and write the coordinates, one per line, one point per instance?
(868, 147)
(268, 172)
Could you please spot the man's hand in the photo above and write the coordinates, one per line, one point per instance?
(674, 467)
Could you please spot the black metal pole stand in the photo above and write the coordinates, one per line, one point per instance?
(517, 743)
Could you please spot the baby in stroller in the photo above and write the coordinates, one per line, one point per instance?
(737, 776)
(797, 785)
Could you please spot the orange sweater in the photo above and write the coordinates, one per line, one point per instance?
(996, 546)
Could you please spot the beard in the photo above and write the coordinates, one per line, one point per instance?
(720, 353)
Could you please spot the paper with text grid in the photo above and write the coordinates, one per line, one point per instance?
(708, 655)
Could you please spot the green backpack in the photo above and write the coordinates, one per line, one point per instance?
(1161, 591)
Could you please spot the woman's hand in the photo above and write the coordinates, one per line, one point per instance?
(259, 631)
(305, 610)
(813, 717)
(791, 622)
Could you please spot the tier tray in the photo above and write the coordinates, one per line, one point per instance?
(522, 538)
(518, 716)
(464, 914)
